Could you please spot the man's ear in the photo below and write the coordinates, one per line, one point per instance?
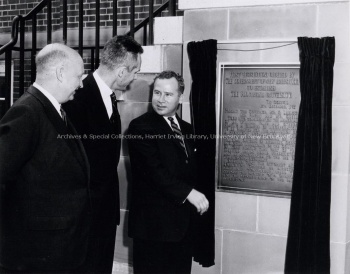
(181, 98)
(121, 72)
(59, 73)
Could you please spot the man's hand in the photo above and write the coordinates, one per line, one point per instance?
(198, 200)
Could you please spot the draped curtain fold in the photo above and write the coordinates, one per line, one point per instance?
(202, 57)
(308, 243)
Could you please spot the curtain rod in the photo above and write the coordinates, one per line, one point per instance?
(285, 44)
(222, 42)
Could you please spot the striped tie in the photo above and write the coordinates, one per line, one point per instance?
(178, 134)
(64, 116)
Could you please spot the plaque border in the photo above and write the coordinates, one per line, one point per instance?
(219, 115)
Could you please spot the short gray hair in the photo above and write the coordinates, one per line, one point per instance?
(51, 55)
(120, 51)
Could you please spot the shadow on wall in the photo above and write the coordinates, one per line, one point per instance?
(136, 101)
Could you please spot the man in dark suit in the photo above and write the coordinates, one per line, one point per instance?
(44, 173)
(163, 201)
(94, 113)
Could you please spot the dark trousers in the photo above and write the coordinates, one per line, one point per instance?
(9, 271)
(152, 257)
(100, 255)
(99, 259)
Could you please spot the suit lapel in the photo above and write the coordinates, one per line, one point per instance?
(83, 160)
(52, 114)
(50, 110)
(185, 133)
(164, 126)
(95, 99)
(98, 105)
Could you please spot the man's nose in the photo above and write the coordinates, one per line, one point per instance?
(161, 98)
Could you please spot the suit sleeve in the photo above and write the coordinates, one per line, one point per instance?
(145, 158)
(18, 139)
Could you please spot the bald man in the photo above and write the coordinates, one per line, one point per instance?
(44, 173)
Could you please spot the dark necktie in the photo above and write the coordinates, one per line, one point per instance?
(115, 113)
(64, 116)
(178, 133)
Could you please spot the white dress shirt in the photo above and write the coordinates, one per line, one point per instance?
(105, 93)
(48, 95)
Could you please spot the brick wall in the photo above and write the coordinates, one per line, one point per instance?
(10, 8)
(27, 74)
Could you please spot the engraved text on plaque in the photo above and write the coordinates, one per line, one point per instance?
(258, 120)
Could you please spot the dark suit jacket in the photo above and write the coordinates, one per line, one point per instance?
(162, 178)
(89, 116)
(44, 197)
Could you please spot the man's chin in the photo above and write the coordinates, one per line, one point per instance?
(71, 97)
(161, 112)
(123, 88)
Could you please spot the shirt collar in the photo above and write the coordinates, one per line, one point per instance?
(175, 120)
(49, 96)
(104, 89)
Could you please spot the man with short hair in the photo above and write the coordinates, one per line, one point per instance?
(44, 173)
(95, 114)
(164, 201)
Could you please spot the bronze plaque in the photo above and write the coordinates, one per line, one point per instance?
(257, 128)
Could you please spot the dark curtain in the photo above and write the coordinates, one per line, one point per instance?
(308, 248)
(202, 57)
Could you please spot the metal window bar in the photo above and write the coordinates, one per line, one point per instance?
(172, 7)
(97, 38)
(8, 57)
(49, 22)
(81, 26)
(21, 57)
(150, 24)
(145, 35)
(33, 52)
(132, 18)
(145, 21)
(115, 16)
(64, 20)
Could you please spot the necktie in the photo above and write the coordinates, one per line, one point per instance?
(115, 112)
(64, 115)
(178, 134)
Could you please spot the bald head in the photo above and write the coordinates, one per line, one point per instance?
(53, 55)
(59, 70)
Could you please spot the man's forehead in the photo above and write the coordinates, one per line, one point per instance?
(166, 81)
(166, 85)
